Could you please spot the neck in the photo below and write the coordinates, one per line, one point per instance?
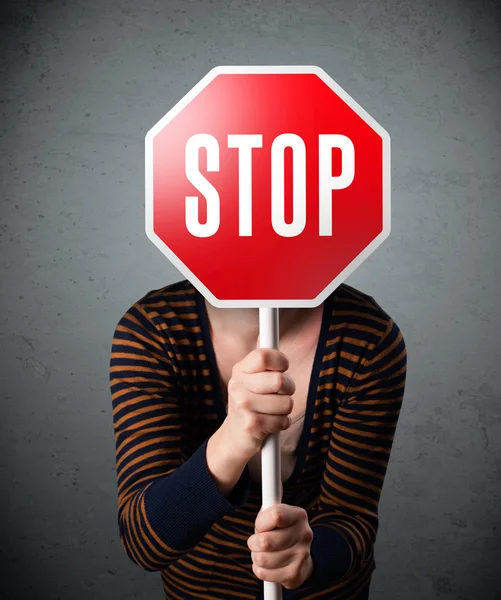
(243, 323)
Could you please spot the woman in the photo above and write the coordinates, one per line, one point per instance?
(193, 400)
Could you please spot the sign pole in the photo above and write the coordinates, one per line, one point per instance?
(271, 468)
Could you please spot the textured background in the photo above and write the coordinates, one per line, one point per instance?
(81, 83)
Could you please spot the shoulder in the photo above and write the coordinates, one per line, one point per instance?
(173, 296)
(164, 312)
(371, 344)
(165, 303)
(363, 319)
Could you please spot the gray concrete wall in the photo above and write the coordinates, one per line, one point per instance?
(81, 83)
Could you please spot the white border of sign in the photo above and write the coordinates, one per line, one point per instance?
(211, 75)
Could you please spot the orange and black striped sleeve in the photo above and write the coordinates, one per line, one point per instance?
(165, 505)
(345, 518)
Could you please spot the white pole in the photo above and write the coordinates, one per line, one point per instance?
(270, 453)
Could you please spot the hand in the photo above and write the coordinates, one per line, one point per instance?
(280, 546)
(259, 401)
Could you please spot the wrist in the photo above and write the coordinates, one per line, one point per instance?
(224, 465)
(230, 448)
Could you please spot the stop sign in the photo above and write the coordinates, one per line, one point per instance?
(267, 186)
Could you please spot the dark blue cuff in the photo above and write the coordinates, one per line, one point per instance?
(331, 554)
(183, 506)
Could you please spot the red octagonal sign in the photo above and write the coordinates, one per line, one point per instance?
(267, 186)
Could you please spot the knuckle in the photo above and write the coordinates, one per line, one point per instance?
(233, 385)
(235, 370)
(262, 358)
(265, 543)
(303, 556)
(284, 361)
(308, 535)
(263, 560)
(251, 423)
(303, 514)
(293, 579)
(242, 401)
(278, 380)
(292, 384)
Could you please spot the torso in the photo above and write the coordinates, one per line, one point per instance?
(299, 347)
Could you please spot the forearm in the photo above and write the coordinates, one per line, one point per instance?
(165, 521)
(225, 466)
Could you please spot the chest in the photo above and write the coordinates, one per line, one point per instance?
(300, 348)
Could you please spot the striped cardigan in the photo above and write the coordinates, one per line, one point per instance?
(167, 402)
